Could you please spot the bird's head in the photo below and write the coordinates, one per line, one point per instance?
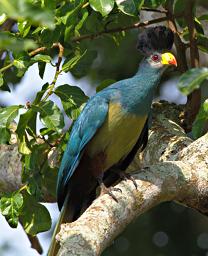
(161, 60)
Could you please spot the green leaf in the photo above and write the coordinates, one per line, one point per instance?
(40, 94)
(19, 64)
(203, 17)
(24, 9)
(129, 7)
(201, 120)
(35, 217)
(102, 6)
(41, 68)
(10, 42)
(81, 21)
(5, 136)
(34, 168)
(105, 84)
(50, 115)
(82, 67)
(72, 98)
(3, 18)
(49, 178)
(202, 42)
(72, 62)
(198, 26)
(28, 119)
(7, 115)
(24, 28)
(192, 79)
(42, 58)
(10, 207)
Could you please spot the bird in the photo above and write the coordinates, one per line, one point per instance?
(110, 130)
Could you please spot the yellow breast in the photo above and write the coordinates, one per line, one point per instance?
(117, 136)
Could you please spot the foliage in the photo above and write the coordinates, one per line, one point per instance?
(32, 38)
(190, 81)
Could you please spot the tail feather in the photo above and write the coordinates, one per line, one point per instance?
(66, 212)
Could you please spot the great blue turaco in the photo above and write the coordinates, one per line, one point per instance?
(112, 127)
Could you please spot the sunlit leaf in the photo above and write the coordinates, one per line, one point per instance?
(129, 7)
(10, 207)
(102, 6)
(7, 115)
(42, 58)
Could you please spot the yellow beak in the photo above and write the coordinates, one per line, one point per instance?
(168, 59)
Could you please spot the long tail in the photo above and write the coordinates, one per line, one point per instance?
(74, 205)
(66, 214)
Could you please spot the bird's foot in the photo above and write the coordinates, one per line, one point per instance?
(104, 190)
(126, 176)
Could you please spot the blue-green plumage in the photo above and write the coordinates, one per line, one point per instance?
(111, 128)
(112, 125)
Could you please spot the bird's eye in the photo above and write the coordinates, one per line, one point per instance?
(155, 58)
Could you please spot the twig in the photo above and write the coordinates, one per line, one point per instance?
(35, 244)
(180, 46)
(34, 241)
(194, 99)
(36, 51)
(153, 10)
(58, 71)
(6, 67)
(61, 53)
(119, 29)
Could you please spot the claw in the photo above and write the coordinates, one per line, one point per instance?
(127, 176)
(109, 191)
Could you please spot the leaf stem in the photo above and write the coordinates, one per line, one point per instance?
(6, 67)
(23, 188)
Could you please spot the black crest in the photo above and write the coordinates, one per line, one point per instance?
(153, 39)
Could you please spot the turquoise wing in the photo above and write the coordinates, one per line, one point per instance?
(85, 127)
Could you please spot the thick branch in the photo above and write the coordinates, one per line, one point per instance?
(10, 168)
(167, 181)
(184, 179)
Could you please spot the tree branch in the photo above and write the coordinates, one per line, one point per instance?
(105, 219)
(180, 46)
(119, 29)
(194, 99)
(178, 170)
